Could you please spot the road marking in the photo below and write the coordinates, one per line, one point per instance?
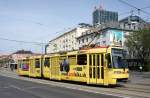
(28, 88)
(16, 87)
(6, 87)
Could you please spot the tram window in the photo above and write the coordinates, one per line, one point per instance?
(109, 60)
(90, 72)
(64, 65)
(20, 65)
(97, 60)
(47, 62)
(102, 60)
(93, 60)
(90, 60)
(98, 73)
(72, 59)
(37, 63)
(82, 59)
(93, 72)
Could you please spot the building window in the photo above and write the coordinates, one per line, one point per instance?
(92, 36)
(79, 41)
(98, 43)
(103, 34)
(86, 39)
(98, 36)
(134, 27)
(104, 42)
(82, 40)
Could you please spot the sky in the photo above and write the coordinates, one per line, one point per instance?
(43, 20)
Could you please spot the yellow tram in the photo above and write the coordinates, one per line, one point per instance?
(35, 66)
(101, 66)
(23, 67)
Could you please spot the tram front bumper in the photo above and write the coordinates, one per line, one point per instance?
(120, 77)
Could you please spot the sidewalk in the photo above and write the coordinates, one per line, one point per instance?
(8, 71)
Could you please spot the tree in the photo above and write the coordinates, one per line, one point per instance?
(138, 45)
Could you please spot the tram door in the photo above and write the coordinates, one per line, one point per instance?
(96, 68)
(55, 68)
(31, 68)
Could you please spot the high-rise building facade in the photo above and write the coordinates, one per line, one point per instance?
(102, 16)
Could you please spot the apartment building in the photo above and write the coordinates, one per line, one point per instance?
(67, 41)
(104, 37)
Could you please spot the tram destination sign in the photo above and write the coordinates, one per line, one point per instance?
(117, 51)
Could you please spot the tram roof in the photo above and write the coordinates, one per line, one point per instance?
(35, 56)
(98, 49)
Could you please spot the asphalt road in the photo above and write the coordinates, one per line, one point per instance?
(14, 88)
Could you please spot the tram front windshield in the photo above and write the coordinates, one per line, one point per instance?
(117, 58)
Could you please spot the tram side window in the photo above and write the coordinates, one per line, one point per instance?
(90, 60)
(102, 60)
(93, 60)
(37, 63)
(98, 63)
(82, 59)
(108, 60)
(72, 59)
(64, 65)
(47, 62)
(20, 65)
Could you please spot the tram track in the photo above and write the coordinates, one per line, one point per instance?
(134, 89)
(130, 93)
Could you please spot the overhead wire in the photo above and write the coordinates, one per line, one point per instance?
(128, 12)
(22, 41)
(138, 9)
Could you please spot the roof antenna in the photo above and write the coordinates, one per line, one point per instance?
(132, 13)
(138, 11)
(95, 8)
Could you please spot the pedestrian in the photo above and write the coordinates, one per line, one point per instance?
(11, 67)
(66, 65)
(61, 66)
